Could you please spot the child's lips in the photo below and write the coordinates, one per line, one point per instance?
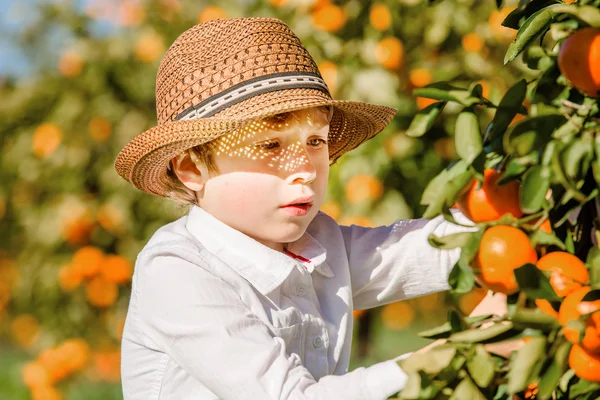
(297, 209)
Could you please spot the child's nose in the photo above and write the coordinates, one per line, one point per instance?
(299, 165)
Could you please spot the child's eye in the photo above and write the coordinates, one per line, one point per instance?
(317, 143)
(268, 145)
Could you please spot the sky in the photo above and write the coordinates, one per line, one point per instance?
(14, 15)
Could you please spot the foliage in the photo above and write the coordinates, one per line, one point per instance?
(543, 133)
(71, 228)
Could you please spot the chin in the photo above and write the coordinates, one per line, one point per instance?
(291, 232)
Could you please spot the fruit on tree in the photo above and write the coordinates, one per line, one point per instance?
(502, 249)
(579, 60)
(567, 272)
(490, 201)
(585, 365)
(571, 309)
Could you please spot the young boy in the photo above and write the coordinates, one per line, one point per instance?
(250, 295)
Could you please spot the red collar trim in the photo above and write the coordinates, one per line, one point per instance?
(296, 256)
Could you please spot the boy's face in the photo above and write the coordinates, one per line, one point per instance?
(272, 176)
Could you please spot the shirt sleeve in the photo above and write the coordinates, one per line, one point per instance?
(201, 323)
(396, 262)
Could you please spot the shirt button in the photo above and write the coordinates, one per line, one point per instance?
(300, 290)
(317, 341)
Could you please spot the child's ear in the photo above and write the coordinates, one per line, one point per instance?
(192, 174)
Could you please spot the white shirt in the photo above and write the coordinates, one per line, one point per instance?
(215, 314)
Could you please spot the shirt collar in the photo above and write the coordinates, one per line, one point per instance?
(263, 267)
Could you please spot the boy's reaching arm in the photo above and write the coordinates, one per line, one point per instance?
(203, 325)
(396, 262)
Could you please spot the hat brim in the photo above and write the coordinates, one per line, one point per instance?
(144, 160)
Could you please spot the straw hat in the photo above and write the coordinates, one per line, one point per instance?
(224, 74)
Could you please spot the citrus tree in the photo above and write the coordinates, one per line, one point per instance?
(528, 178)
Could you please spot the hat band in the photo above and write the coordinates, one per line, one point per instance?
(250, 88)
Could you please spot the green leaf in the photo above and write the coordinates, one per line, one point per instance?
(592, 295)
(451, 241)
(551, 376)
(522, 366)
(448, 193)
(576, 157)
(533, 319)
(533, 27)
(481, 367)
(467, 136)
(534, 186)
(466, 389)
(531, 134)
(446, 92)
(534, 283)
(460, 280)
(444, 330)
(588, 14)
(481, 335)
(524, 11)
(547, 239)
(583, 387)
(425, 119)
(536, 58)
(593, 263)
(469, 251)
(509, 106)
(431, 362)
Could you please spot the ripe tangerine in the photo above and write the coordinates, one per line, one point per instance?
(585, 365)
(490, 201)
(503, 249)
(579, 60)
(571, 309)
(567, 272)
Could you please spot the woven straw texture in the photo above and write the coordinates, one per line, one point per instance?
(217, 57)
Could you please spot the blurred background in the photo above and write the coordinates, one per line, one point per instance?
(77, 82)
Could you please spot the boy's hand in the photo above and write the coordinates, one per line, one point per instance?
(493, 303)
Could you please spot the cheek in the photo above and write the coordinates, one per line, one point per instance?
(239, 193)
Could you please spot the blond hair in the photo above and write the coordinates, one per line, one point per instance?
(203, 153)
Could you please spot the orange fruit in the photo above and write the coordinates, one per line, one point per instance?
(68, 278)
(397, 316)
(546, 307)
(357, 220)
(423, 102)
(108, 365)
(87, 261)
(76, 352)
(389, 52)
(46, 392)
(34, 374)
(25, 330)
(332, 209)
(420, 77)
(131, 13)
(99, 129)
(149, 47)
(363, 187)
(500, 32)
(358, 313)
(585, 365)
(472, 43)
(46, 139)
(579, 60)
(101, 292)
(490, 201)
(116, 269)
(468, 301)
(502, 250)
(380, 16)
(329, 74)
(567, 272)
(211, 12)
(70, 64)
(571, 309)
(328, 18)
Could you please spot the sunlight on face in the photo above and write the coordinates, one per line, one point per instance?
(272, 176)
